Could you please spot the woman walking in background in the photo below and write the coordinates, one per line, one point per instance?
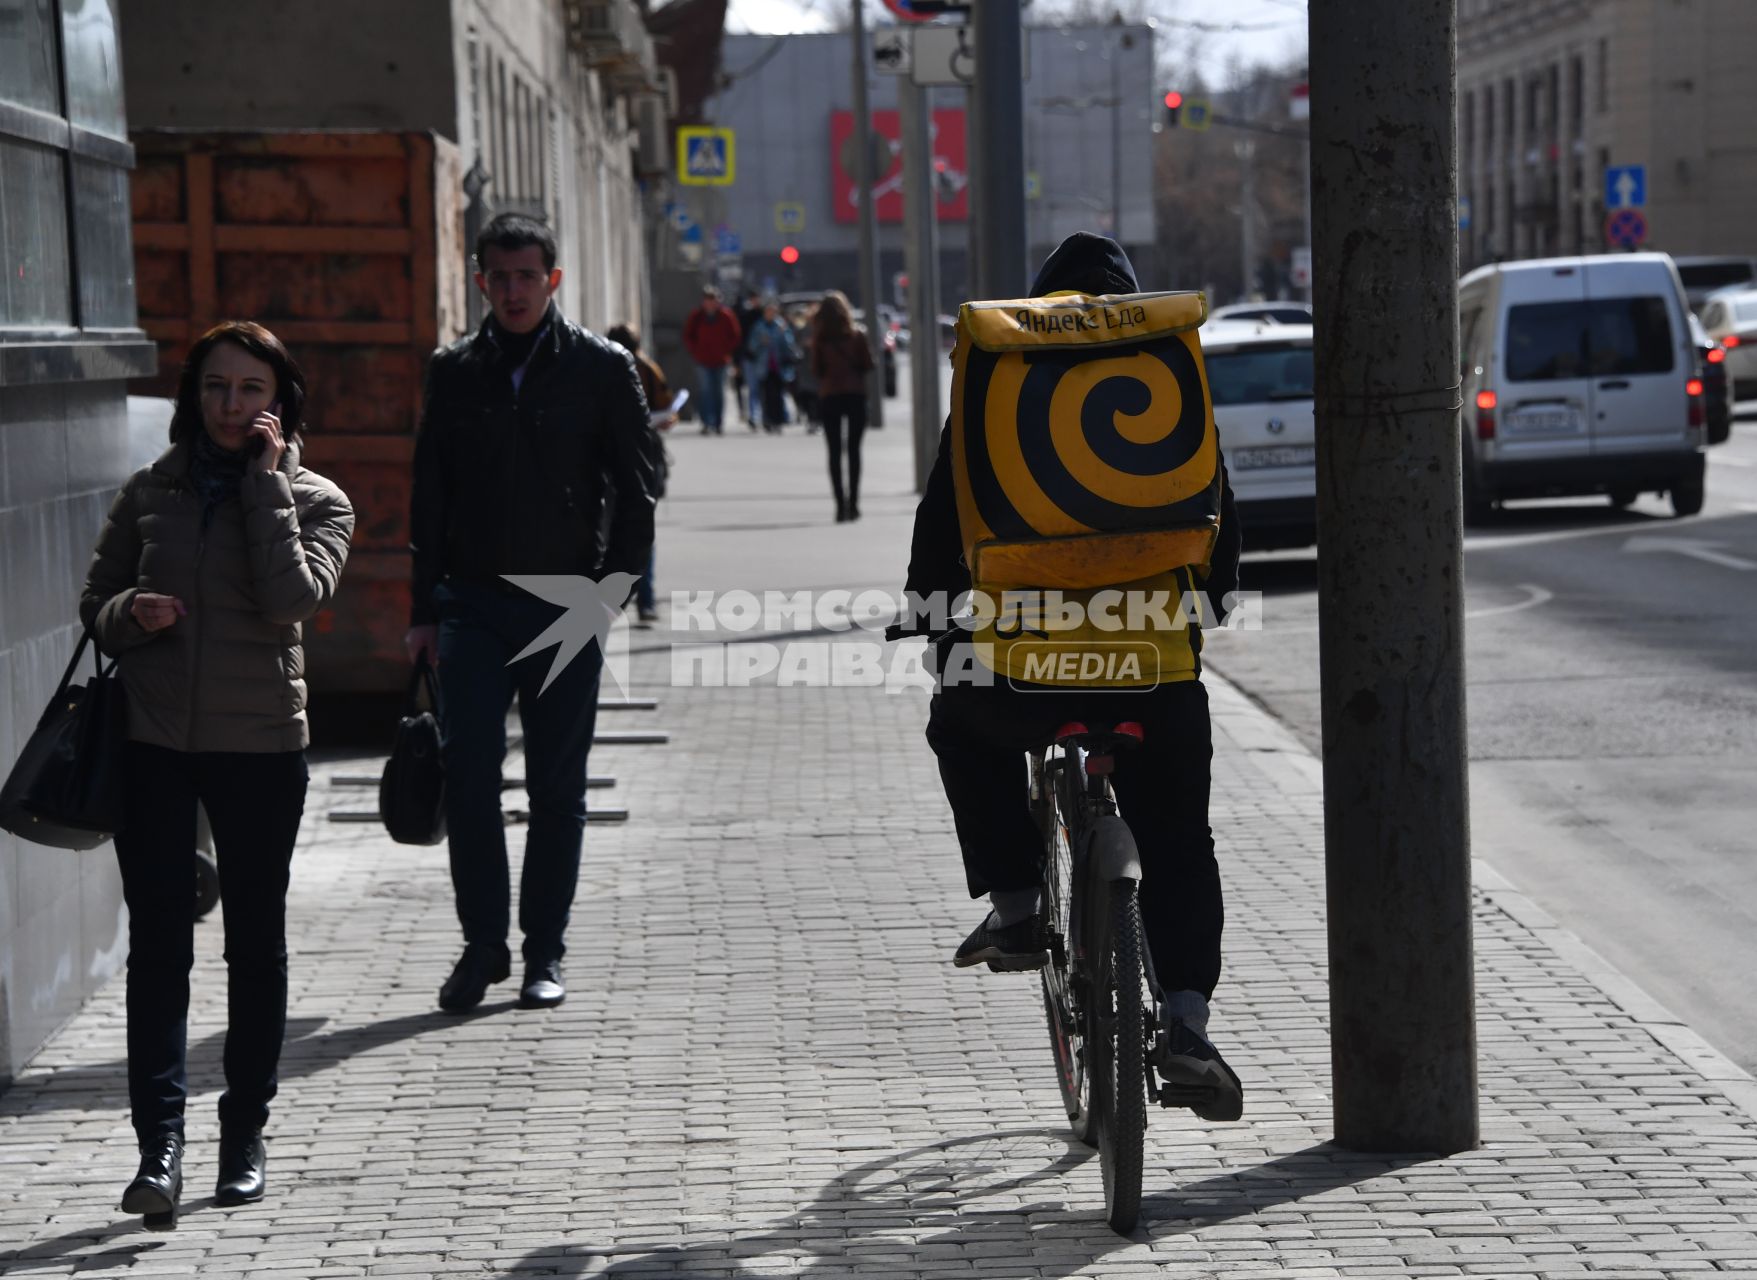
(841, 359)
(209, 561)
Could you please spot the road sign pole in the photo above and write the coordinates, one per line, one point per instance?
(1001, 144)
(863, 175)
(921, 249)
(1390, 574)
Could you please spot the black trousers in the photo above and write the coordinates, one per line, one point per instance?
(980, 735)
(254, 803)
(837, 410)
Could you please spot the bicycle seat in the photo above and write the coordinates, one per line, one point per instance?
(1099, 742)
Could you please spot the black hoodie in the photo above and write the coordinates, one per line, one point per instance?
(1083, 263)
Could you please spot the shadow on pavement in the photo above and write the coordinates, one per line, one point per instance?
(1279, 577)
(73, 1245)
(924, 1207)
(104, 1085)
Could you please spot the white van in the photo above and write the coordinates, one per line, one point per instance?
(1579, 377)
(1260, 381)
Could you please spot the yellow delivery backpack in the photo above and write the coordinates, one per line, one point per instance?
(1083, 445)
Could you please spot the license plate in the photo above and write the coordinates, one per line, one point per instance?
(1543, 422)
(1275, 455)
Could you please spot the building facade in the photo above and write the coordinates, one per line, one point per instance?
(68, 343)
(1090, 104)
(1552, 94)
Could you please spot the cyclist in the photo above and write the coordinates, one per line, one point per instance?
(979, 730)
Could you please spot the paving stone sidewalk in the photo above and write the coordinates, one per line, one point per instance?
(766, 1065)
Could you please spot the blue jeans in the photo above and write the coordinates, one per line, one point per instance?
(713, 389)
(643, 591)
(481, 628)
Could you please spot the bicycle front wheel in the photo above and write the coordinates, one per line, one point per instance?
(1117, 1051)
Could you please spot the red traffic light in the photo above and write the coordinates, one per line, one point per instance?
(789, 254)
(1174, 99)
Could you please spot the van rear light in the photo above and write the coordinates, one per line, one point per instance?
(1485, 415)
(1693, 389)
(1730, 341)
(1715, 355)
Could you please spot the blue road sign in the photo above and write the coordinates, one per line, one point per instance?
(1626, 228)
(726, 240)
(1625, 186)
(692, 234)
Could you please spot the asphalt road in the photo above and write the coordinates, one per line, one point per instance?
(1612, 698)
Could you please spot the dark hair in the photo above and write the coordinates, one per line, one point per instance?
(624, 335)
(832, 318)
(516, 231)
(186, 423)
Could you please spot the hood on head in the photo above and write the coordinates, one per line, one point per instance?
(1086, 263)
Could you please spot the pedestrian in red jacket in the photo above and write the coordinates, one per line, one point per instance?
(713, 339)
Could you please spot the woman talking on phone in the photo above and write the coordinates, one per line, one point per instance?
(209, 561)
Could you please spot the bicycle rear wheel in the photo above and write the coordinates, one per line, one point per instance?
(1060, 1002)
(1116, 1048)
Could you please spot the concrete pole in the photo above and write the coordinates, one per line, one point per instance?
(868, 291)
(921, 249)
(1390, 574)
(1001, 142)
(1247, 217)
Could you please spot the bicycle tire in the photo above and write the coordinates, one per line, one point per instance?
(1117, 1052)
(1061, 1009)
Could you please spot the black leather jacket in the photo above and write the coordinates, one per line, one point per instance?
(517, 481)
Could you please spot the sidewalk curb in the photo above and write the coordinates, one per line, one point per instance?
(1278, 752)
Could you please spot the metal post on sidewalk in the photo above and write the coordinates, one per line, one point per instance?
(1390, 574)
(863, 175)
(1001, 141)
(921, 261)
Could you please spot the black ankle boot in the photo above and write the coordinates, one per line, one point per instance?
(243, 1167)
(159, 1184)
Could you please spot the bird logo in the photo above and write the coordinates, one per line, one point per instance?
(592, 608)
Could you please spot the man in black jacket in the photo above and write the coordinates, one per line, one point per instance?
(534, 441)
(979, 731)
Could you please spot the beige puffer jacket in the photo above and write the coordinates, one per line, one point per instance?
(228, 676)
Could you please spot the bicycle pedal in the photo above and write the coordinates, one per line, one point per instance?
(1184, 1095)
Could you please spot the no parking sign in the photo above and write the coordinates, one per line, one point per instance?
(1626, 228)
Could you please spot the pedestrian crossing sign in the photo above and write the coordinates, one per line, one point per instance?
(704, 156)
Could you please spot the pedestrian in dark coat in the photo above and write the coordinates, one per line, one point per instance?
(209, 563)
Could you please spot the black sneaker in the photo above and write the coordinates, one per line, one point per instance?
(1017, 948)
(1195, 1075)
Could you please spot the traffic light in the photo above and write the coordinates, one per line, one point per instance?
(789, 254)
(1174, 101)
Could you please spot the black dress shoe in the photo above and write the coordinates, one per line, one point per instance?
(159, 1184)
(243, 1167)
(481, 965)
(542, 989)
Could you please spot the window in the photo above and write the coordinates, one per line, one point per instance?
(1597, 338)
(64, 155)
(1260, 375)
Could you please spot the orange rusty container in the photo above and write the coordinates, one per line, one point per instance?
(350, 247)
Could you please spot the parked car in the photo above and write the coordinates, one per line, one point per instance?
(1260, 382)
(1704, 274)
(1716, 398)
(1580, 377)
(797, 306)
(1272, 312)
(1730, 318)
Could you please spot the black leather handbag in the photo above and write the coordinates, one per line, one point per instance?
(411, 790)
(66, 788)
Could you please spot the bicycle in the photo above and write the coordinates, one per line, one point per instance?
(1101, 1023)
